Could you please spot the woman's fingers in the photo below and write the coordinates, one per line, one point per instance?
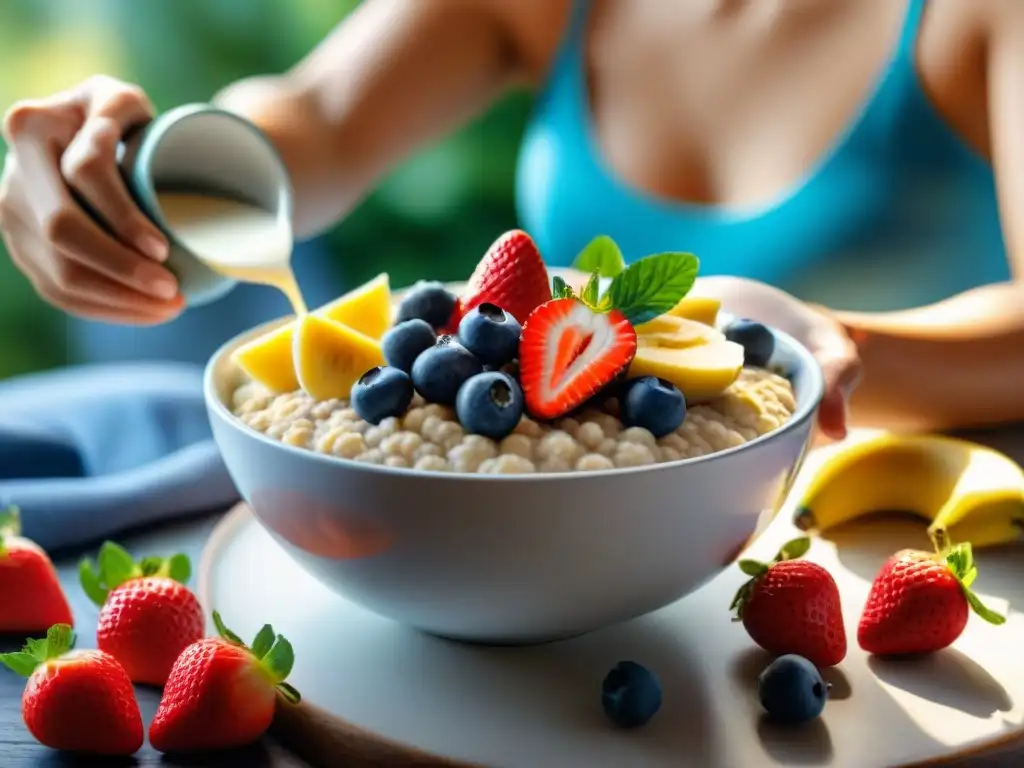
(79, 238)
(78, 290)
(841, 368)
(63, 150)
(89, 163)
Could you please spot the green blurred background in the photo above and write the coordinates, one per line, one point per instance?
(433, 217)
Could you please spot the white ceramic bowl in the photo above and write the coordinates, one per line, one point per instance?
(512, 559)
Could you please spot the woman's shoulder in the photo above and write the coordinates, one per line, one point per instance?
(534, 29)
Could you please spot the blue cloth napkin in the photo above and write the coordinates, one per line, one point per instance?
(89, 451)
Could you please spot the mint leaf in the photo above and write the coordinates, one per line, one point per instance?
(560, 289)
(653, 285)
(589, 295)
(601, 255)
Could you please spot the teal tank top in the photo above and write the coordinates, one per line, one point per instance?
(899, 213)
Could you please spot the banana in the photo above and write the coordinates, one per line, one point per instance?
(965, 491)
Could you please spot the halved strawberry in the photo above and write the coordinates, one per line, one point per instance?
(569, 352)
(511, 275)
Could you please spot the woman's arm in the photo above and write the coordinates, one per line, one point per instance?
(392, 76)
(960, 362)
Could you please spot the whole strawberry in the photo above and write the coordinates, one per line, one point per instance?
(511, 275)
(222, 694)
(31, 598)
(920, 602)
(147, 614)
(792, 606)
(77, 701)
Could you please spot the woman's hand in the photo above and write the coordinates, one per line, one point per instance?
(69, 142)
(814, 327)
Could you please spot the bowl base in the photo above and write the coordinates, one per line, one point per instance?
(384, 686)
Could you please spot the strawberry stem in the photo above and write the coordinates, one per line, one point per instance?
(791, 550)
(273, 652)
(59, 640)
(10, 524)
(960, 561)
(115, 566)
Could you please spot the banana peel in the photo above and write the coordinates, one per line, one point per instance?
(966, 492)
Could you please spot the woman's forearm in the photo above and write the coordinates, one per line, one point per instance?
(392, 76)
(957, 363)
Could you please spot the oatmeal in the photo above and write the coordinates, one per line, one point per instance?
(429, 436)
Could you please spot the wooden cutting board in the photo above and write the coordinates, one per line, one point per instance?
(376, 693)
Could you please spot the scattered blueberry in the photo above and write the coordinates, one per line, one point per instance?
(652, 403)
(439, 371)
(792, 689)
(758, 342)
(630, 694)
(490, 333)
(490, 404)
(429, 301)
(381, 392)
(403, 344)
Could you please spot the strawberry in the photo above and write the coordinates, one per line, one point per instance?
(511, 275)
(920, 602)
(222, 694)
(791, 606)
(147, 615)
(78, 701)
(31, 598)
(569, 352)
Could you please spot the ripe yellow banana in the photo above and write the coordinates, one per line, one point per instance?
(965, 491)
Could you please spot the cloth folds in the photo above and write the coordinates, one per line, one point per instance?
(89, 451)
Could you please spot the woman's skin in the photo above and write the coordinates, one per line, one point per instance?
(740, 85)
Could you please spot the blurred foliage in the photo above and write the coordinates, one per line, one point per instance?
(433, 216)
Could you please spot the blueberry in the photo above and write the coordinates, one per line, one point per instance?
(792, 690)
(490, 333)
(428, 301)
(490, 404)
(630, 694)
(404, 343)
(439, 371)
(381, 392)
(758, 342)
(654, 404)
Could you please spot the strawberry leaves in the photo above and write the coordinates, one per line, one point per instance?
(960, 561)
(561, 289)
(791, 550)
(272, 651)
(59, 640)
(10, 525)
(116, 566)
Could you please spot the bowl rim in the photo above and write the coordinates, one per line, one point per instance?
(216, 405)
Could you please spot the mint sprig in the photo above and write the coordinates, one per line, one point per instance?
(653, 285)
(601, 256)
(642, 291)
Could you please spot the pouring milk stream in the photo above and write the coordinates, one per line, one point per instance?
(235, 239)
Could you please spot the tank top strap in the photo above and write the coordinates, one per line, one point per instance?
(577, 22)
(911, 26)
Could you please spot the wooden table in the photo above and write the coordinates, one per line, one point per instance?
(19, 750)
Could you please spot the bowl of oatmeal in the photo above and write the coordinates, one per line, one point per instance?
(508, 496)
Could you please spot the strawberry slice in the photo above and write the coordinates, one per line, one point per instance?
(511, 275)
(569, 352)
